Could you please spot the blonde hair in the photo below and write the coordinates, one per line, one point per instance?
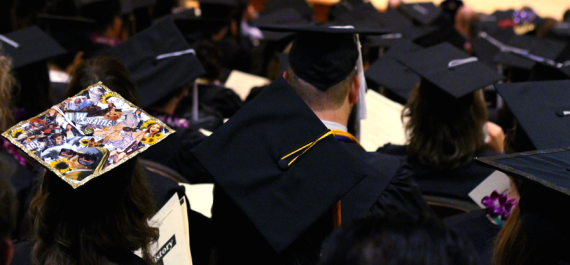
(6, 84)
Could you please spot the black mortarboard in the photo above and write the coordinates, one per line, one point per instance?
(561, 30)
(540, 108)
(72, 33)
(159, 60)
(196, 28)
(323, 56)
(549, 49)
(301, 6)
(392, 75)
(281, 200)
(126, 5)
(545, 176)
(450, 69)
(224, 9)
(285, 16)
(487, 46)
(29, 45)
(401, 36)
(423, 13)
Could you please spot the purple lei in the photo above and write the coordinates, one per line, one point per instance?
(498, 205)
(173, 121)
(13, 150)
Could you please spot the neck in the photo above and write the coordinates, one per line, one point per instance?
(339, 115)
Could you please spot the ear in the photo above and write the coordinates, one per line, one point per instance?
(286, 75)
(354, 89)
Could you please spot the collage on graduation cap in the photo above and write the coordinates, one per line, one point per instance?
(88, 134)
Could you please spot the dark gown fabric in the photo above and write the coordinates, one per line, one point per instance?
(58, 91)
(174, 152)
(476, 227)
(456, 183)
(388, 184)
(23, 251)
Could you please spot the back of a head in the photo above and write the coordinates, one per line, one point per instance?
(445, 132)
(397, 238)
(108, 70)
(100, 221)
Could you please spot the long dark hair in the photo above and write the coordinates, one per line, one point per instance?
(445, 133)
(95, 223)
(108, 70)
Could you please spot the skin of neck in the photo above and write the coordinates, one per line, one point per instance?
(342, 114)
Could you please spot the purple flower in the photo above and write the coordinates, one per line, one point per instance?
(498, 205)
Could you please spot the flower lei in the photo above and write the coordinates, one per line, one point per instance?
(499, 207)
(13, 150)
(172, 120)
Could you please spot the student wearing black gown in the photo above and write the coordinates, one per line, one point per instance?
(447, 123)
(283, 204)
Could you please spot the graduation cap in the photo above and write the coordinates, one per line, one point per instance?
(450, 69)
(323, 56)
(423, 13)
(29, 45)
(222, 9)
(286, 16)
(529, 47)
(126, 6)
(281, 195)
(541, 109)
(95, 115)
(160, 61)
(392, 75)
(72, 33)
(195, 28)
(550, 70)
(487, 46)
(545, 177)
(301, 6)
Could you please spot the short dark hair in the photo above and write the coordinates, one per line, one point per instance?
(8, 205)
(397, 237)
(321, 100)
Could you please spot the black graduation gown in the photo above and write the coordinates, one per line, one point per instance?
(388, 185)
(456, 183)
(476, 227)
(174, 152)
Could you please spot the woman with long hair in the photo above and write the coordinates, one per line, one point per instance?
(102, 222)
(446, 124)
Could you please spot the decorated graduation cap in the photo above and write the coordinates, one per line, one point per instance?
(29, 45)
(160, 61)
(283, 179)
(423, 13)
(451, 70)
(545, 176)
(541, 109)
(87, 135)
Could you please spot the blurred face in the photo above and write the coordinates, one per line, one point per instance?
(58, 140)
(154, 128)
(69, 127)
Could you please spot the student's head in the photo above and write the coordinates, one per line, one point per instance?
(106, 14)
(106, 216)
(8, 211)
(397, 238)
(331, 99)
(6, 86)
(445, 132)
(108, 70)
